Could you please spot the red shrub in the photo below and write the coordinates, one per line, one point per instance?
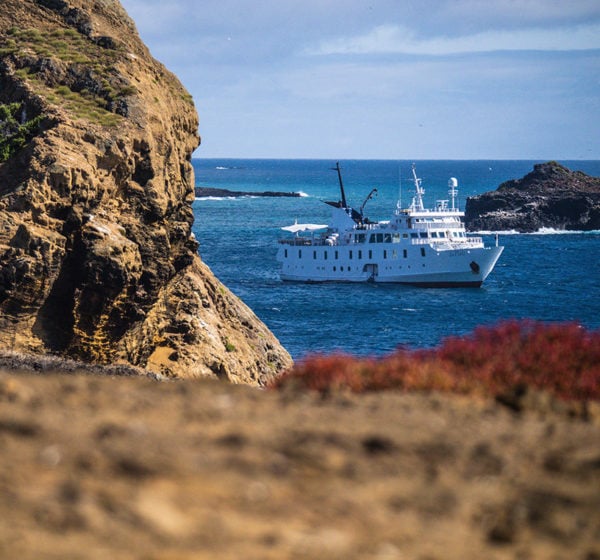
(563, 359)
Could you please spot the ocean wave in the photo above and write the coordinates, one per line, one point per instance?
(500, 232)
(303, 194)
(541, 231)
(552, 231)
(216, 198)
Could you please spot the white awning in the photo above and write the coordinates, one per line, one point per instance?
(303, 227)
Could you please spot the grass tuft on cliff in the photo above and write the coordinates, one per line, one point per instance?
(83, 67)
(560, 359)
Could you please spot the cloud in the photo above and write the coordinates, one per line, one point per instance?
(348, 78)
(521, 13)
(395, 39)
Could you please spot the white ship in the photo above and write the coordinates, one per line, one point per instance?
(416, 246)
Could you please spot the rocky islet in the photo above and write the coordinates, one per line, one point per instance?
(551, 196)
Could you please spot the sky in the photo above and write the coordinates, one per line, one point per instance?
(384, 79)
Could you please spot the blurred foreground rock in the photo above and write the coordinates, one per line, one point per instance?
(94, 467)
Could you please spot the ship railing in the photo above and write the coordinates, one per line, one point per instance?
(468, 241)
(320, 241)
(436, 210)
(299, 241)
(437, 225)
(368, 226)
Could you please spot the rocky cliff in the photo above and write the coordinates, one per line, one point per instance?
(551, 196)
(97, 259)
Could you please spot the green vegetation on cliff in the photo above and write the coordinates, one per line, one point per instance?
(15, 129)
(71, 70)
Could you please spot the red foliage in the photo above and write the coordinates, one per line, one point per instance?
(563, 359)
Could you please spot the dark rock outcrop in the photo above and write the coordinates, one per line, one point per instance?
(551, 196)
(205, 192)
(97, 260)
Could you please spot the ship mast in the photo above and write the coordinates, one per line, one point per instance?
(339, 172)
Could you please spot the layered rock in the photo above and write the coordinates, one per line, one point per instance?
(551, 196)
(97, 258)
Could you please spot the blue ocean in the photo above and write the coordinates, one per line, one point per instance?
(549, 276)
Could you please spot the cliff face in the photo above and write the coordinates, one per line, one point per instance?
(551, 196)
(97, 260)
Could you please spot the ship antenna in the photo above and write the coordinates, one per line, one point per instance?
(339, 172)
(399, 206)
(419, 192)
(453, 190)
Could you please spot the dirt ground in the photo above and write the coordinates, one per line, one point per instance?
(95, 467)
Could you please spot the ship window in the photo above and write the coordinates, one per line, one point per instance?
(422, 251)
(387, 238)
(325, 255)
(380, 238)
(394, 254)
(414, 235)
(370, 254)
(360, 237)
(384, 254)
(396, 238)
(423, 235)
(285, 253)
(405, 236)
(404, 253)
(434, 234)
(350, 255)
(299, 253)
(334, 269)
(360, 255)
(315, 255)
(373, 238)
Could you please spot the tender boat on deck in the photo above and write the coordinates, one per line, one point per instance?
(416, 246)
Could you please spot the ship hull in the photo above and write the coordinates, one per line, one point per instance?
(436, 268)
